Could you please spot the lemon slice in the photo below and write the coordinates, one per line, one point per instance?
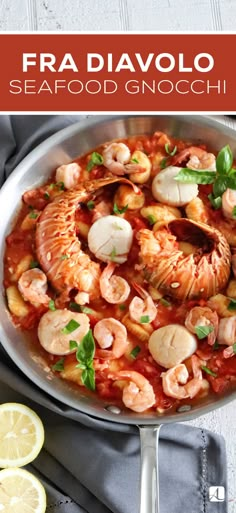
(21, 492)
(21, 435)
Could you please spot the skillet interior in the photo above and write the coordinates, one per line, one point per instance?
(62, 148)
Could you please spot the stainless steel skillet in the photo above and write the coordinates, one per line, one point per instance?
(33, 170)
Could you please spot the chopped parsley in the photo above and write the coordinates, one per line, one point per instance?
(135, 161)
(171, 153)
(163, 162)
(70, 327)
(164, 302)
(209, 371)
(134, 353)
(144, 319)
(59, 365)
(118, 210)
(33, 264)
(151, 219)
(51, 305)
(90, 205)
(64, 257)
(113, 254)
(95, 160)
(122, 307)
(46, 195)
(33, 215)
(203, 331)
(232, 304)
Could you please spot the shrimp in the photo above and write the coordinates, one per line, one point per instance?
(198, 158)
(115, 158)
(197, 275)
(69, 174)
(52, 333)
(228, 203)
(138, 394)
(58, 248)
(102, 209)
(142, 307)
(110, 332)
(197, 211)
(227, 335)
(33, 285)
(114, 289)
(203, 316)
(175, 383)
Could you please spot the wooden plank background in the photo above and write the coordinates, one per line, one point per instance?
(154, 15)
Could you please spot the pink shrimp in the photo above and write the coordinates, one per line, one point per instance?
(116, 157)
(33, 286)
(175, 383)
(110, 333)
(58, 248)
(142, 307)
(203, 316)
(227, 335)
(198, 158)
(138, 394)
(114, 289)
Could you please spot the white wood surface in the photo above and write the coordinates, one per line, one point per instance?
(155, 15)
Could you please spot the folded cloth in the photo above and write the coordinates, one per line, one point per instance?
(89, 465)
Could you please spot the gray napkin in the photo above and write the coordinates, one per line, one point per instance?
(89, 465)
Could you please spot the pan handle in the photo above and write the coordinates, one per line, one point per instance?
(149, 489)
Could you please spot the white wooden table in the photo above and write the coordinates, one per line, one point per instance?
(137, 15)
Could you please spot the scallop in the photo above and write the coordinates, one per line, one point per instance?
(171, 192)
(57, 328)
(171, 345)
(110, 239)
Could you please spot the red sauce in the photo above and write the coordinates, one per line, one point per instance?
(21, 243)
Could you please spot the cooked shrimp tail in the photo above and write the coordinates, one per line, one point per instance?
(138, 394)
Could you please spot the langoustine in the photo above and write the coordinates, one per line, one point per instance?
(58, 248)
(198, 275)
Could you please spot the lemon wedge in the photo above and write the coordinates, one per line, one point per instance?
(20, 491)
(21, 435)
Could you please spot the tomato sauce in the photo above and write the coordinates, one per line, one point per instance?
(21, 244)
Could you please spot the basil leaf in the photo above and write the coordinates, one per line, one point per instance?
(209, 371)
(215, 202)
(90, 165)
(46, 195)
(224, 160)
(151, 219)
(145, 319)
(73, 345)
(135, 351)
(86, 350)
(51, 305)
(186, 175)
(59, 365)
(171, 153)
(163, 162)
(88, 378)
(135, 161)
(203, 331)
(118, 210)
(90, 205)
(232, 304)
(231, 182)
(70, 327)
(220, 185)
(234, 213)
(60, 186)
(34, 264)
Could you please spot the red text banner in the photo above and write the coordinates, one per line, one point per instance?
(117, 72)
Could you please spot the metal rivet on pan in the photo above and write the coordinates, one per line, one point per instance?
(113, 409)
(185, 407)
